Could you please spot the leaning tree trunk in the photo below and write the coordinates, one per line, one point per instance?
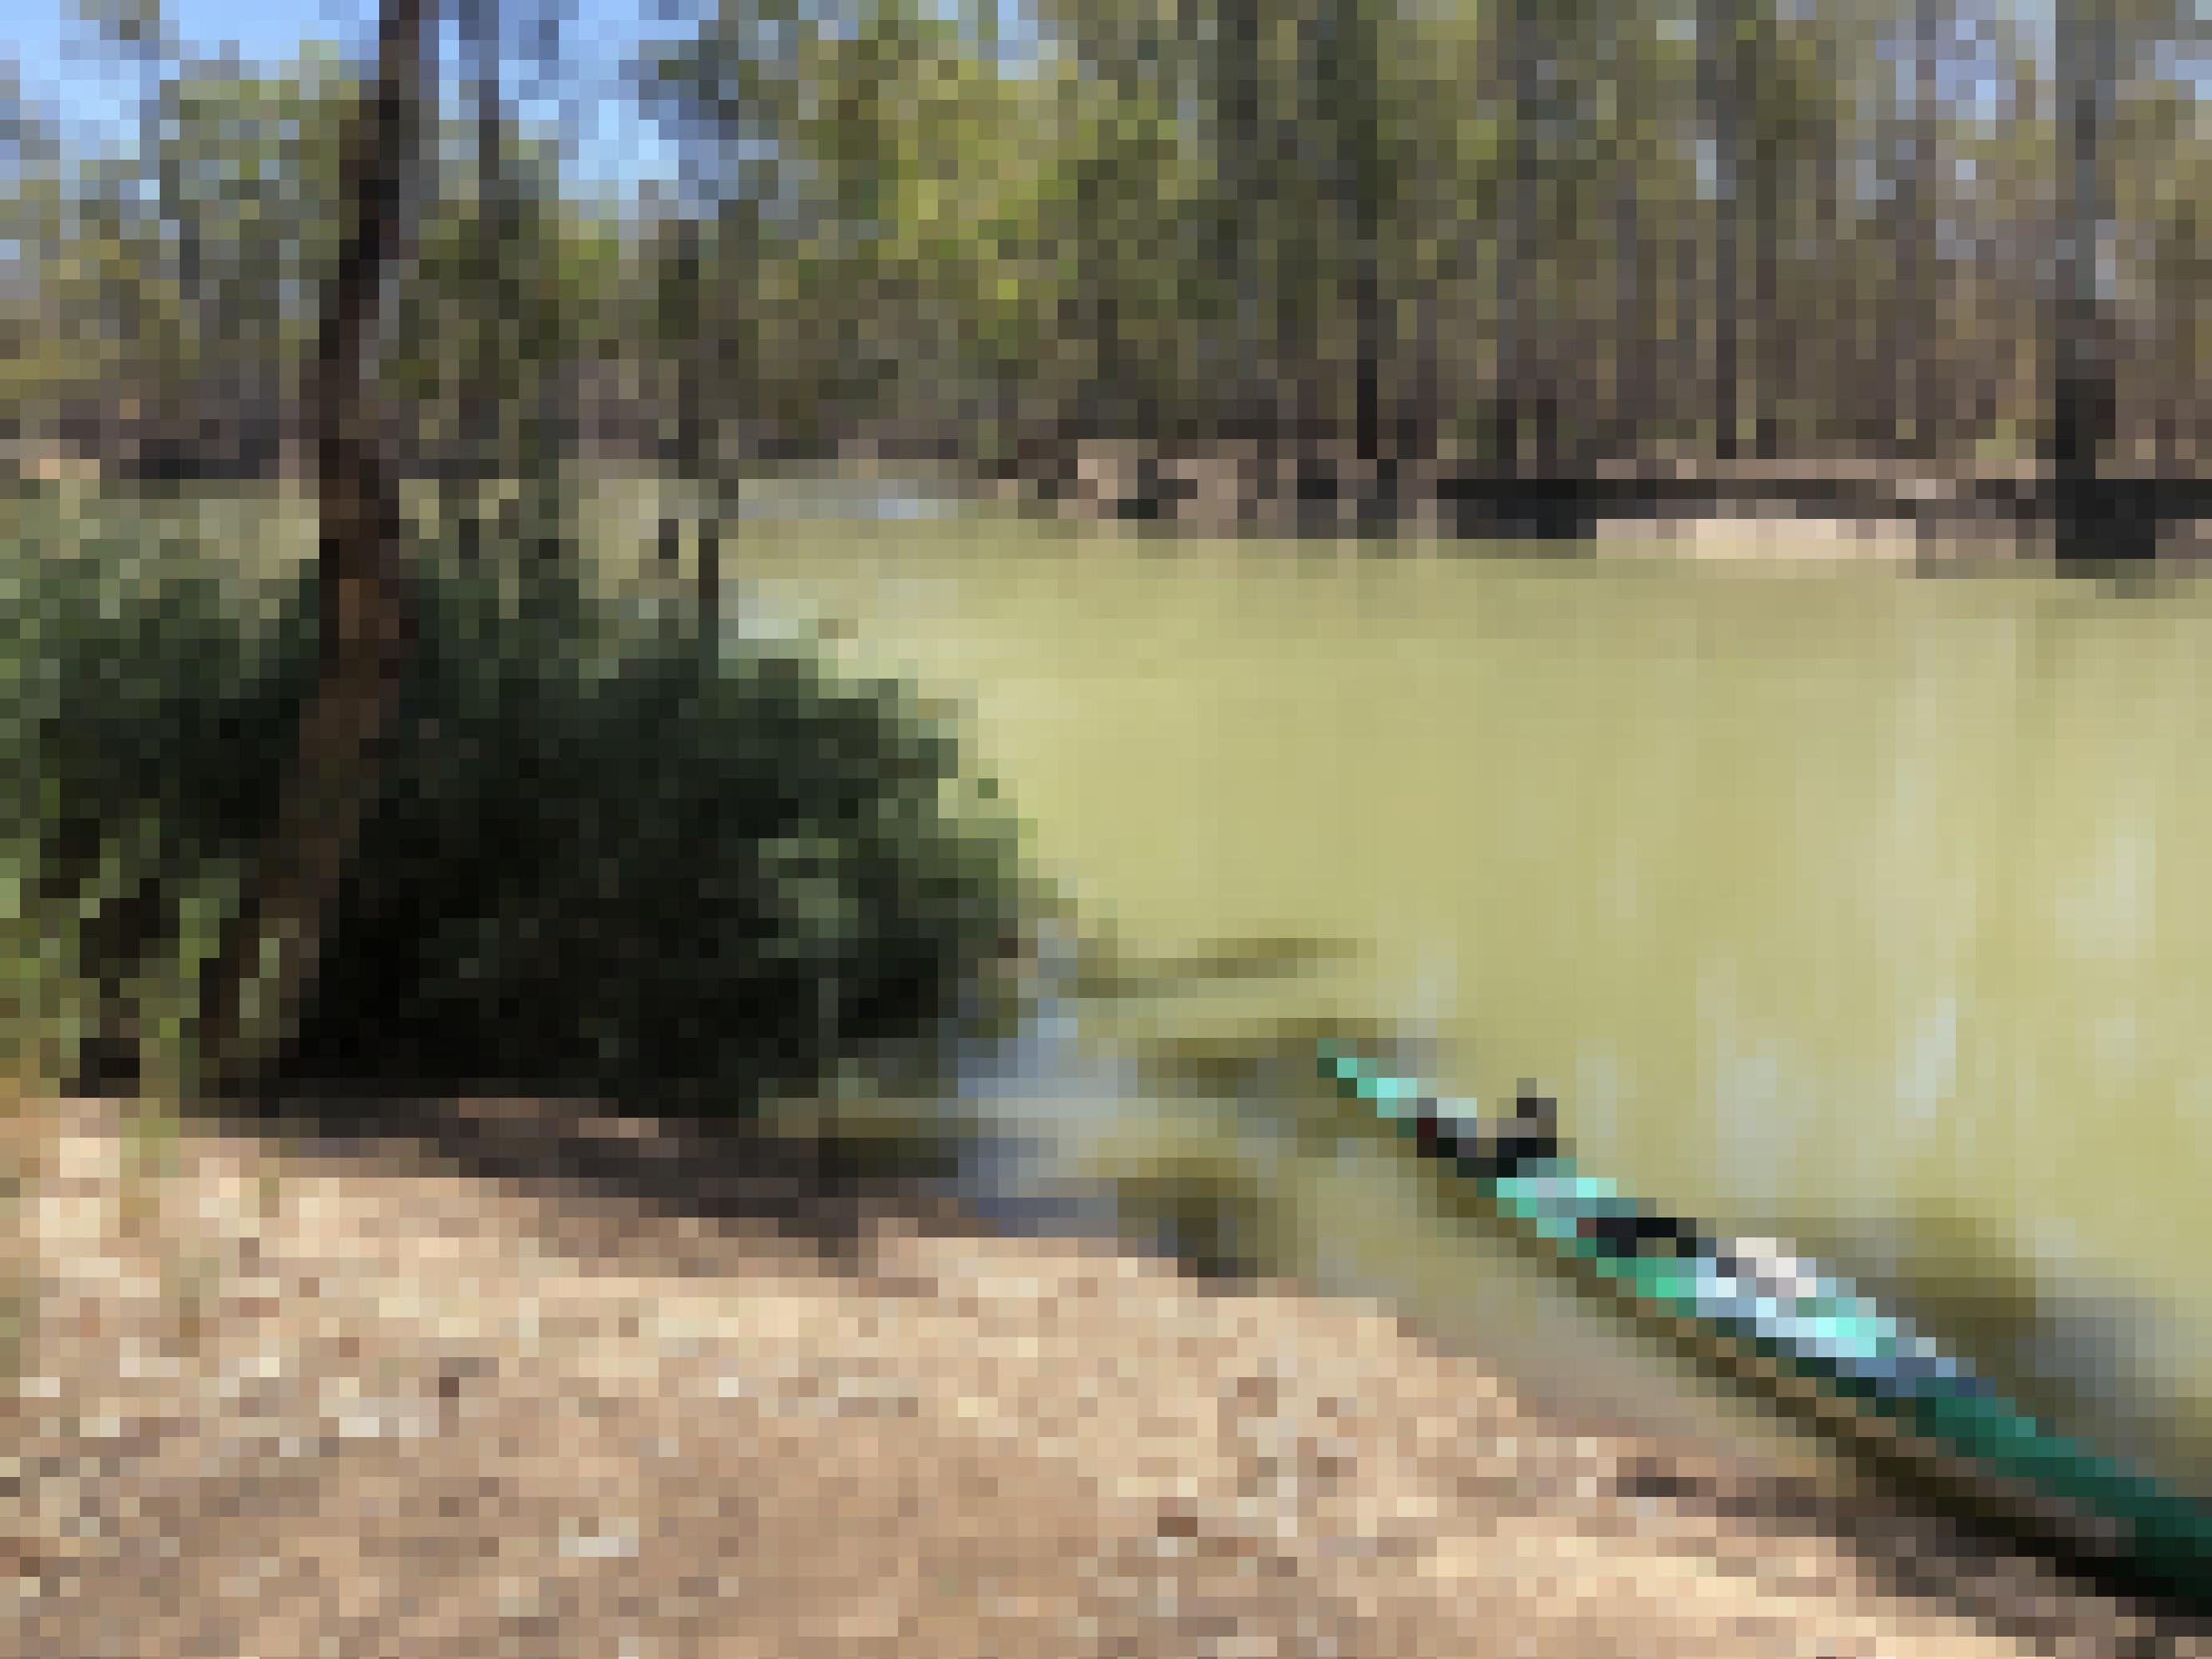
(270, 949)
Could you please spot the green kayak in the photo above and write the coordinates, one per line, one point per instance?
(1802, 1330)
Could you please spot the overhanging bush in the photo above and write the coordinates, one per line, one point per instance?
(605, 857)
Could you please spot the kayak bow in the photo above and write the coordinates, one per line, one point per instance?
(1805, 1332)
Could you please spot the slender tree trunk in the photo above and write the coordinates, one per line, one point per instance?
(1919, 319)
(2082, 403)
(1531, 109)
(1758, 177)
(1930, 386)
(1248, 396)
(1825, 290)
(1356, 64)
(694, 445)
(1421, 405)
(1722, 94)
(700, 405)
(1633, 371)
(483, 425)
(1515, 264)
(272, 944)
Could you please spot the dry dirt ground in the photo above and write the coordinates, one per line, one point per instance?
(504, 1395)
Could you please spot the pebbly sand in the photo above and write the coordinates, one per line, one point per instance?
(534, 1396)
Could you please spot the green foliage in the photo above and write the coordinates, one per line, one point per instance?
(1169, 217)
(607, 858)
(132, 763)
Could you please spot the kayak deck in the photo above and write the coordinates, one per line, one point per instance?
(1803, 1333)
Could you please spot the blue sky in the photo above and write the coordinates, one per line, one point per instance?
(612, 144)
(59, 72)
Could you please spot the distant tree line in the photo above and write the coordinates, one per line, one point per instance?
(1399, 240)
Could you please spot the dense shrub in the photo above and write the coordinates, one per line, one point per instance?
(605, 857)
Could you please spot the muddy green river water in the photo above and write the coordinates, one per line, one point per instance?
(1864, 909)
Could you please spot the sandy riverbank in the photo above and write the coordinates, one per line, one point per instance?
(293, 1401)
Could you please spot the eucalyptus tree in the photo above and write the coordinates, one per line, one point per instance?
(1919, 215)
(2166, 186)
(2082, 403)
(2154, 285)
(1726, 72)
(482, 415)
(246, 170)
(896, 230)
(1307, 125)
(120, 228)
(270, 945)
(42, 360)
(734, 94)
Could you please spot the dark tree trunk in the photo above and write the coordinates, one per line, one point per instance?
(699, 468)
(1916, 383)
(1635, 326)
(483, 421)
(1721, 93)
(1350, 75)
(274, 939)
(1244, 267)
(1523, 427)
(1766, 209)
(696, 318)
(2091, 530)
